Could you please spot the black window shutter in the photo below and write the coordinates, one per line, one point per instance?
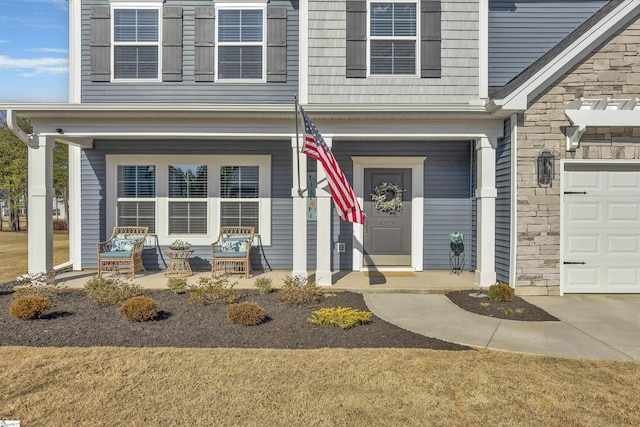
(100, 44)
(276, 44)
(430, 39)
(356, 57)
(205, 41)
(172, 44)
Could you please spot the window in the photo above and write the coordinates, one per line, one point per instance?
(135, 43)
(136, 205)
(239, 196)
(187, 200)
(240, 44)
(392, 38)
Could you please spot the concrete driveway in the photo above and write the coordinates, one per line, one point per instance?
(590, 327)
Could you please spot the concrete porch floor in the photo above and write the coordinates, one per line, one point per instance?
(432, 281)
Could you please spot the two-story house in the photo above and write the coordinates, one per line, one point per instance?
(469, 110)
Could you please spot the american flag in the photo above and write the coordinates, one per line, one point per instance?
(341, 192)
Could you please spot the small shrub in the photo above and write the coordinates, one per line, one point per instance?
(300, 290)
(30, 307)
(342, 317)
(139, 309)
(500, 292)
(34, 284)
(214, 291)
(112, 291)
(263, 284)
(245, 313)
(177, 284)
(59, 225)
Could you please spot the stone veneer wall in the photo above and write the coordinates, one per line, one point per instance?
(613, 71)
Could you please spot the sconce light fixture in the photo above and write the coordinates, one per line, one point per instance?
(546, 168)
(60, 131)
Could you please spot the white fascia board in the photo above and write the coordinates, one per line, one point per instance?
(518, 99)
(603, 117)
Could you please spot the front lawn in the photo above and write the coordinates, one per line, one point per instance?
(14, 253)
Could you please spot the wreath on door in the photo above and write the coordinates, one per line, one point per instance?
(392, 205)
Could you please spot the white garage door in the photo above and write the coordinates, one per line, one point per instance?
(601, 230)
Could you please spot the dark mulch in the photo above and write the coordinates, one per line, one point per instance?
(76, 321)
(518, 309)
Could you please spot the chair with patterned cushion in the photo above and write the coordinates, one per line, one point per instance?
(230, 253)
(123, 251)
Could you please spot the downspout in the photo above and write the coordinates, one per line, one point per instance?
(514, 201)
(12, 122)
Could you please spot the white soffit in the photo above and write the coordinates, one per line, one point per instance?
(599, 112)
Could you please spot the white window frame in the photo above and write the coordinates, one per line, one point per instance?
(240, 199)
(213, 162)
(187, 200)
(260, 5)
(135, 199)
(136, 5)
(415, 38)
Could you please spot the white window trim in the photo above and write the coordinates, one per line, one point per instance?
(123, 4)
(260, 5)
(213, 162)
(416, 38)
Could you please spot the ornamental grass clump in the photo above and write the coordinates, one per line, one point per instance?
(263, 284)
(177, 284)
(34, 284)
(139, 309)
(342, 317)
(30, 307)
(114, 291)
(245, 313)
(207, 291)
(500, 292)
(300, 290)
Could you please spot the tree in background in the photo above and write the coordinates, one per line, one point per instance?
(61, 177)
(13, 171)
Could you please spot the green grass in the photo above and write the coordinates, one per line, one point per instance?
(14, 254)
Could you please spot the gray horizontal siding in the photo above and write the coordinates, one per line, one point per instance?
(521, 31)
(189, 91)
(278, 255)
(447, 194)
(503, 204)
(327, 51)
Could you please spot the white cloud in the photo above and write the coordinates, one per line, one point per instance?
(48, 50)
(5, 41)
(35, 22)
(63, 4)
(35, 66)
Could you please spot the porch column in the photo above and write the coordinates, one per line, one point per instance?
(40, 207)
(299, 210)
(486, 194)
(74, 218)
(323, 235)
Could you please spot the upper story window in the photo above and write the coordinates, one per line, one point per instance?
(136, 43)
(240, 44)
(392, 38)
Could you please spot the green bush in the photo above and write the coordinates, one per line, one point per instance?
(300, 290)
(245, 313)
(30, 307)
(113, 291)
(263, 284)
(38, 284)
(342, 317)
(139, 309)
(500, 292)
(177, 284)
(214, 291)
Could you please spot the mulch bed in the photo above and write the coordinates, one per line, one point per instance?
(77, 321)
(518, 309)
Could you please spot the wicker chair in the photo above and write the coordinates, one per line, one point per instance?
(230, 253)
(123, 251)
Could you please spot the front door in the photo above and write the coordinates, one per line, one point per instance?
(387, 226)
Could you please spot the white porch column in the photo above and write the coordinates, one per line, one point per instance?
(75, 209)
(299, 210)
(40, 208)
(486, 194)
(323, 236)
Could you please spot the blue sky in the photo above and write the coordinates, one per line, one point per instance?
(34, 42)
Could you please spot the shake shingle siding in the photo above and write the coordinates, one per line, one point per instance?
(279, 254)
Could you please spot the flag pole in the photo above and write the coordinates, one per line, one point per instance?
(295, 99)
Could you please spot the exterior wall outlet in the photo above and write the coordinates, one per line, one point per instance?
(339, 247)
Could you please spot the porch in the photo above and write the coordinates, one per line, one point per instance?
(430, 281)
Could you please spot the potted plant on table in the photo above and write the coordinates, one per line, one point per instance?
(180, 245)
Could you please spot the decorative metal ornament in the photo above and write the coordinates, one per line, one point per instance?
(379, 196)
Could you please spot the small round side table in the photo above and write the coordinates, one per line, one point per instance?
(178, 262)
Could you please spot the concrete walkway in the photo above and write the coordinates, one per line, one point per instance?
(591, 326)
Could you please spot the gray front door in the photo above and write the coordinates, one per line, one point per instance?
(387, 235)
